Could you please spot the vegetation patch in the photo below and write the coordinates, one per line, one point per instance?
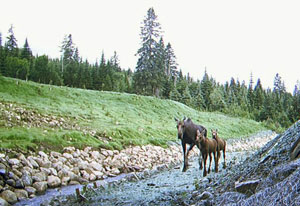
(63, 116)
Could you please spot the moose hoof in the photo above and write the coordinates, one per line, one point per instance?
(184, 169)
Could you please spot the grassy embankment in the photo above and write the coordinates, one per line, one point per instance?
(118, 119)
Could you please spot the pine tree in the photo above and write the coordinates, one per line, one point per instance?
(206, 89)
(67, 49)
(268, 111)
(171, 65)
(41, 70)
(279, 87)
(175, 95)
(11, 45)
(70, 65)
(259, 95)
(250, 95)
(147, 69)
(217, 99)
(26, 52)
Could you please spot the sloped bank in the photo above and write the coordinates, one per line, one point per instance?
(25, 177)
(271, 176)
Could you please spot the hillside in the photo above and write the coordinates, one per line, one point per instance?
(35, 116)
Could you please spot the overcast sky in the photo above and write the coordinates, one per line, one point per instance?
(230, 38)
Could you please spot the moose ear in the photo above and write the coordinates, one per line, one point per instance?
(198, 133)
(216, 130)
(212, 130)
(176, 119)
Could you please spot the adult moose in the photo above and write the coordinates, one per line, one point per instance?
(187, 132)
(221, 146)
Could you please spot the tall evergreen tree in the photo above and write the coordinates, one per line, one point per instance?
(171, 65)
(144, 77)
(70, 66)
(11, 45)
(67, 49)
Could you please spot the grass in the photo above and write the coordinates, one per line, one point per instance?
(121, 119)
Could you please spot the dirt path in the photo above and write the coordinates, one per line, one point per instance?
(167, 187)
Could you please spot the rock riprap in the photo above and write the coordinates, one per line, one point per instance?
(22, 177)
(27, 176)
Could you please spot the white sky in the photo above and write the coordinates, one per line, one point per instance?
(230, 38)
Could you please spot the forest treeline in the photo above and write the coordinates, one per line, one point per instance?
(156, 74)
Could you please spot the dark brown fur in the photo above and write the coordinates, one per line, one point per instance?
(187, 132)
(221, 146)
(208, 147)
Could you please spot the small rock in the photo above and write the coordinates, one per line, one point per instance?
(30, 190)
(67, 155)
(205, 195)
(65, 181)
(53, 181)
(39, 177)
(9, 196)
(21, 194)
(43, 154)
(14, 161)
(19, 184)
(92, 177)
(96, 166)
(11, 182)
(33, 163)
(55, 154)
(44, 163)
(3, 202)
(53, 171)
(74, 182)
(247, 187)
(40, 187)
(47, 171)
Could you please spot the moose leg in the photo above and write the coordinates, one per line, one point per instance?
(204, 164)
(216, 163)
(200, 157)
(184, 157)
(224, 165)
(218, 157)
(210, 159)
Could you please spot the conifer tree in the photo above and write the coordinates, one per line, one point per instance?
(206, 89)
(26, 52)
(171, 65)
(69, 63)
(147, 68)
(11, 45)
(259, 95)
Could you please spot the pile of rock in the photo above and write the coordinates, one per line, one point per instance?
(250, 144)
(24, 177)
(19, 116)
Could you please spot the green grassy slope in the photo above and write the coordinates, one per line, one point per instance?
(114, 120)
